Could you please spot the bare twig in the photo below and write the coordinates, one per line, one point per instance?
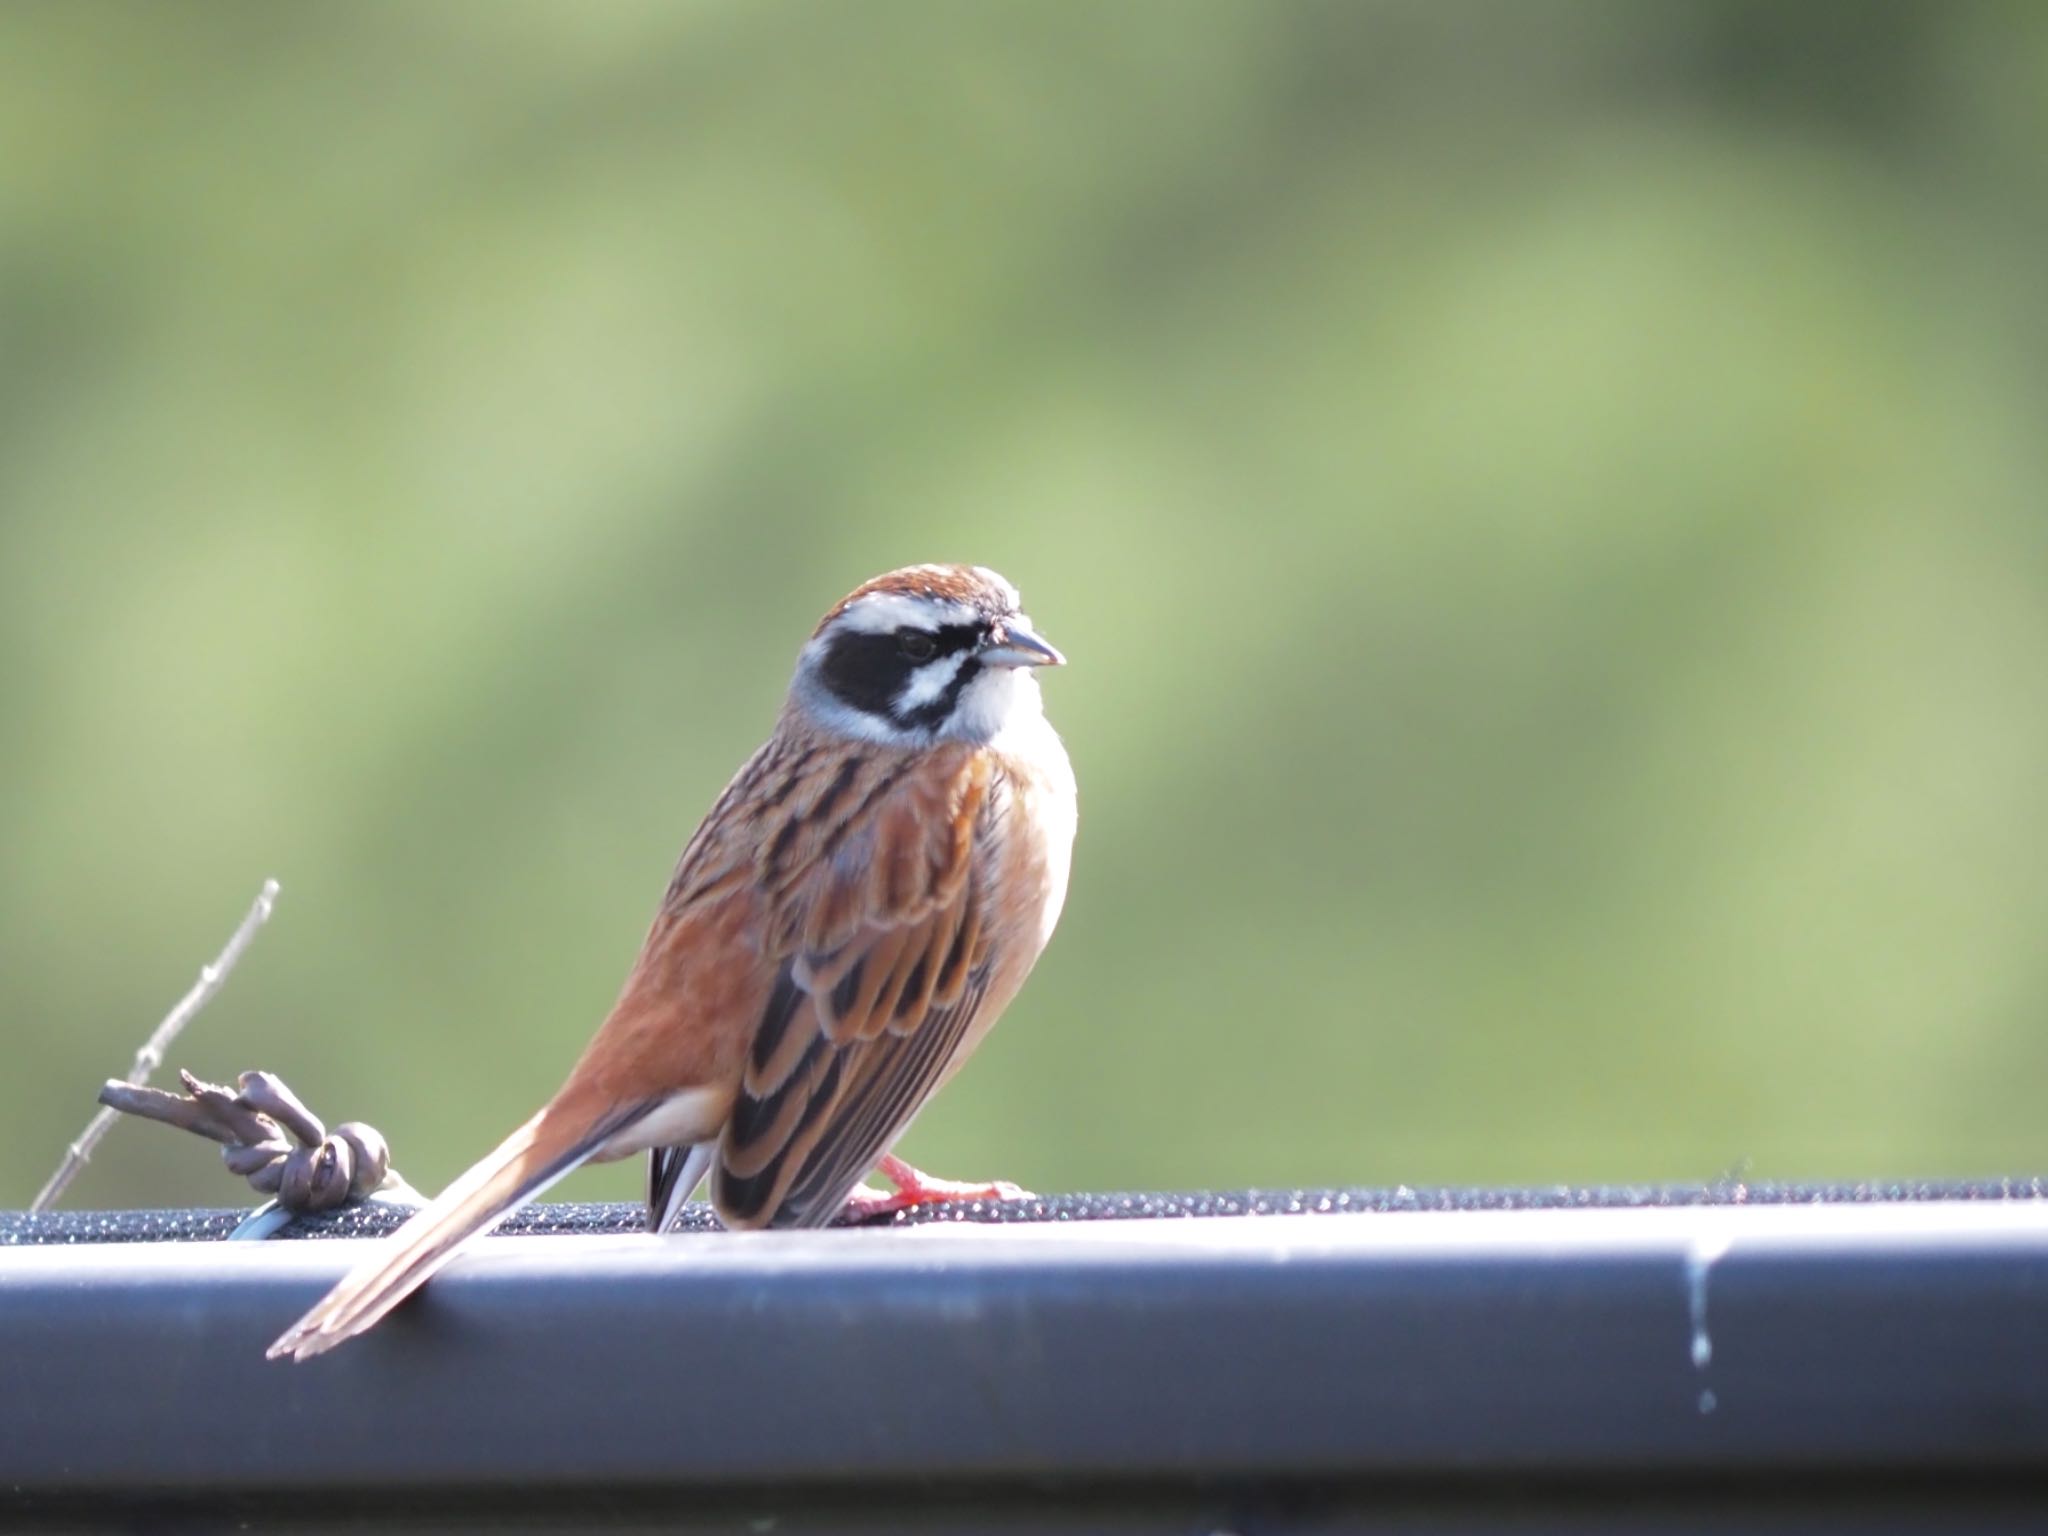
(151, 1056)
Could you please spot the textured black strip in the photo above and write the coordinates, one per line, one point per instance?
(567, 1219)
(21, 1227)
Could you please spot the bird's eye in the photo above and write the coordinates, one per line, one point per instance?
(916, 644)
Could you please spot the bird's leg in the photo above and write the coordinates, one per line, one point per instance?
(914, 1187)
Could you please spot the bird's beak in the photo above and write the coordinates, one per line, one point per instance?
(1011, 644)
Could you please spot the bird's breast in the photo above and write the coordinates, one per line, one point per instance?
(1032, 821)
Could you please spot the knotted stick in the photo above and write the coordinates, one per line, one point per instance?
(270, 1138)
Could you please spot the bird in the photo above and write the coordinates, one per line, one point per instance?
(854, 913)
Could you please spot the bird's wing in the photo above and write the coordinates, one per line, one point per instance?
(824, 942)
(881, 932)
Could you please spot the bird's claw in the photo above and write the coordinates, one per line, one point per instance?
(915, 1188)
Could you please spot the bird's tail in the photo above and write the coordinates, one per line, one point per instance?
(527, 1162)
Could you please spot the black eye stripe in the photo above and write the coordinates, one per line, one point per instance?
(869, 671)
(954, 638)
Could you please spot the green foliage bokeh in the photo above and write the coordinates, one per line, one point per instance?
(1545, 503)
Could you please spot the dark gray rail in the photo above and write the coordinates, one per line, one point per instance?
(1274, 1370)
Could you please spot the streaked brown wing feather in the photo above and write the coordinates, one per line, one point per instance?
(885, 966)
(872, 1112)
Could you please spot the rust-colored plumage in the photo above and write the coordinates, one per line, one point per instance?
(859, 906)
(966, 585)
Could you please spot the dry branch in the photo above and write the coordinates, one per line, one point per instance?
(151, 1056)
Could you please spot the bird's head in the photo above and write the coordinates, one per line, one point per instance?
(928, 653)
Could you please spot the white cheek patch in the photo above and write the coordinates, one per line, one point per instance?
(1001, 699)
(842, 719)
(880, 612)
(929, 682)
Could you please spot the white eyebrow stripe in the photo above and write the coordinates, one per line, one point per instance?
(880, 612)
(928, 682)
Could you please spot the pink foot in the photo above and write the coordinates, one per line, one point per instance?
(917, 1188)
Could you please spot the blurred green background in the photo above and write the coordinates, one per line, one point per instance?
(1545, 503)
